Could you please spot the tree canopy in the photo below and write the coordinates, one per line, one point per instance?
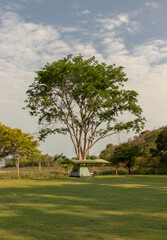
(150, 154)
(125, 154)
(161, 146)
(83, 98)
(107, 152)
(15, 142)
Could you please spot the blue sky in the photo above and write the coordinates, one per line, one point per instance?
(130, 33)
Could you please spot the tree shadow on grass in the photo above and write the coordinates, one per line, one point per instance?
(82, 209)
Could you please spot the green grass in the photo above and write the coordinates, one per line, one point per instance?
(111, 207)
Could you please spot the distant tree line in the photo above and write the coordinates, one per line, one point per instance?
(144, 154)
(44, 159)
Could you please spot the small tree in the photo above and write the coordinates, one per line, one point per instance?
(125, 155)
(25, 145)
(82, 98)
(13, 142)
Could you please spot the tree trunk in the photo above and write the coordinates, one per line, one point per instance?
(18, 166)
(80, 155)
(85, 154)
(129, 168)
(39, 167)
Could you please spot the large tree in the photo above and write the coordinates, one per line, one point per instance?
(83, 98)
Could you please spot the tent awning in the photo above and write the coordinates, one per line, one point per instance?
(89, 161)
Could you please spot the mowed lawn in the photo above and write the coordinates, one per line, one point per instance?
(112, 207)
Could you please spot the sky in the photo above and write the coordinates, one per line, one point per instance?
(130, 33)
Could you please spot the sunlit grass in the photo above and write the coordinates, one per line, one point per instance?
(115, 207)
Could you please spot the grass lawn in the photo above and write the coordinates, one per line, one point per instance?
(112, 207)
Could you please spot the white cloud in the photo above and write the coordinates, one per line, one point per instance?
(13, 6)
(68, 29)
(154, 51)
(86, 49)
(152, 5)
(24, 43)
(76, 4)
(145, 66)
(24, 47)
(82, 13)
(112, 23)
(114, 46)
(121, 21)
(38, 1)
(85, 12)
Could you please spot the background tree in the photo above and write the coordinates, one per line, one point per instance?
(47, 160)
(40, 160)
(6, 147)
(148, 162)
(13, 142)
(161, 147)
(86, 98)
(108, 152)
(125, 155)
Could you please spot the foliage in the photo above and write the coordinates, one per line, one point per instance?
(32, 160)
(153, 157)
(107, 152)
(61, 158)
(87, 98)
(46, 160)
(147, 140)
(125, 155)
(6, 146)
(91, 157)
(62, 161)
(14, 142)
(11, 162)
(161, 146)
(161, 140)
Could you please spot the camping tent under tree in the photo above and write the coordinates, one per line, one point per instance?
(80, 168)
